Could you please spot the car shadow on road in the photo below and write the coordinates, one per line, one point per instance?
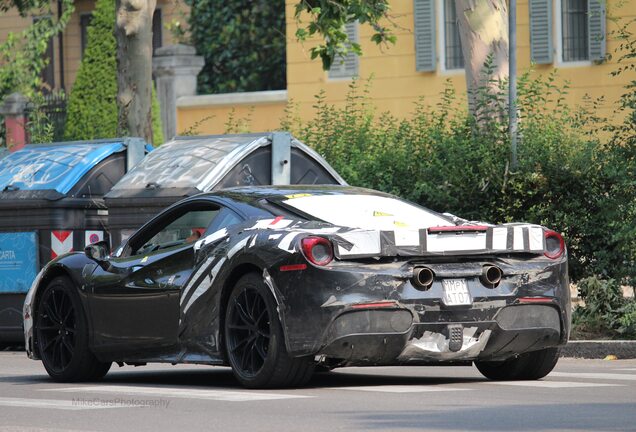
(221, 377)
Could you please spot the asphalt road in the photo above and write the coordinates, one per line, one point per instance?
(588, 395)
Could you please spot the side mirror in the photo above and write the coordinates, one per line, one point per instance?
(98, 251)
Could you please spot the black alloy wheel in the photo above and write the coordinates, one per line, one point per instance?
(255, 341)
(248, 331)
(56, 329)
(61, 335)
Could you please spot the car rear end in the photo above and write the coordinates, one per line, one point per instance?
(447, 293)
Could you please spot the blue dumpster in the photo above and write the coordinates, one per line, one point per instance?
(51, 203)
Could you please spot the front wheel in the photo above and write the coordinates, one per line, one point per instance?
(528, 366)
(62, 335)
(255, 342)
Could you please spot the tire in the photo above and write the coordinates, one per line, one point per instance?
(62, 335)
(255, 342)
(528, 366)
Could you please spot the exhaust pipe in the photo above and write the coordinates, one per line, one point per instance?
(423, 277)
(490, 276)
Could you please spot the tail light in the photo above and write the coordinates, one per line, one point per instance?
(554, 244)
(317, 250)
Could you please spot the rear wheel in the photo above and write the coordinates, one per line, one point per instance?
(255, 342)
(528, 366)
(62, 335)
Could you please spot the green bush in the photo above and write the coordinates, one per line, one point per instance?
(243, 43)
(92, 108)
(606, 312)
(441, 157)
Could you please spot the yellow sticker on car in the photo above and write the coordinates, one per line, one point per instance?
(298, 195)
(379, 213)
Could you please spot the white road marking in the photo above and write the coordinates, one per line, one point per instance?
(601, 376)
(552, 384)
(219, 395)
(625, 369)
(401, 388)
(53, 404)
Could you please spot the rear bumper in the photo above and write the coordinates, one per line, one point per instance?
(389, 337)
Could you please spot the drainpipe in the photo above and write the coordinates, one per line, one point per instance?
(61, 45)
(512, 83)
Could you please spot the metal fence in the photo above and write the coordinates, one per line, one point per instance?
(49, 110)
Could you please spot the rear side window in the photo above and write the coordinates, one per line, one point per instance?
(187, 228)
(366, 212)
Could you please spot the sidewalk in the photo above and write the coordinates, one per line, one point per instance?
(599, 349)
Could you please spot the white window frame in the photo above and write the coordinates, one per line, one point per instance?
(441, 42)
(558, 40)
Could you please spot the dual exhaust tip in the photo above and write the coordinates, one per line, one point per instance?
(423, 277)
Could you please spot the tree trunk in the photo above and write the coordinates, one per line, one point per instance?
(483, 29)
(133, 30)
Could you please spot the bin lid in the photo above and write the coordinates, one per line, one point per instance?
(189, 165)
(56, 167)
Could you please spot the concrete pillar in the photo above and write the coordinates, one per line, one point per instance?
(15, 120)
(175, 68)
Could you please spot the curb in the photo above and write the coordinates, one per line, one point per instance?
(599, 349)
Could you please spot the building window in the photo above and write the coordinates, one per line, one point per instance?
(574, 37)
(346, 67)
(453, 57)
(47, 74)
(157, 27)
(85, 21)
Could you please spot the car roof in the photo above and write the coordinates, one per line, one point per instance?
(255, 193)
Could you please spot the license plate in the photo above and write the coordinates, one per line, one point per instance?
(456, 292)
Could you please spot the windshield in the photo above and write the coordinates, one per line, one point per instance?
(367, 212)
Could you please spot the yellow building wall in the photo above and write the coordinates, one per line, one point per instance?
(11, 21)
(213, 119)
(396, 85)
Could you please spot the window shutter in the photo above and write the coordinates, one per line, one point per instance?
(347, 67)
(596, 29)
(424, 23)
(541, 31)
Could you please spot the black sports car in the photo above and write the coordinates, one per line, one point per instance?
(275, 281)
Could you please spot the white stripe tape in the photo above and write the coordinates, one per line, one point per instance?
(216, 235)
(500, 238)
(194, 278)
(517, 243)
(448, 242)
(364, 243)
(237, 247)
(205, 284)
(404, 237)
(286, 242)
(536, 238)
(219, 395)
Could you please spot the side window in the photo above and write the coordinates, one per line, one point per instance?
(225, 218)
(574, 30)
(186, 228)
(453, 57)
